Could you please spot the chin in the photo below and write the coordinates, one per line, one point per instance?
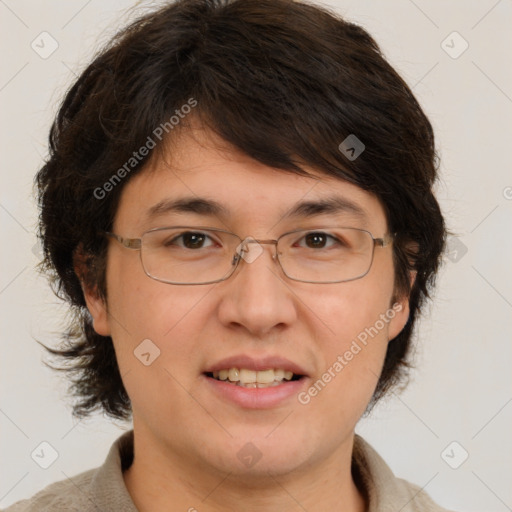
(260, 457)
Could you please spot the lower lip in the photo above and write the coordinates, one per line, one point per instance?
(256, 398)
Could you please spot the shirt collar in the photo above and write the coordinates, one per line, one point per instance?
(382, 490)
(108, 489)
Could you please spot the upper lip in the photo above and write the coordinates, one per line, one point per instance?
(256, 363)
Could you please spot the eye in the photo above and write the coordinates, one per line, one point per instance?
(318, 240)
(190, 240)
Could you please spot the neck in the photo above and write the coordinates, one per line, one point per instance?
(161, 481)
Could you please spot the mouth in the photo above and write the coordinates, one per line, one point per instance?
(255, 382)
(248, 378)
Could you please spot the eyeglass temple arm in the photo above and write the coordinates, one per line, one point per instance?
(384, 241)
(129, 243)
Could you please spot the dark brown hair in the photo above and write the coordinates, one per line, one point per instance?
(285, 82)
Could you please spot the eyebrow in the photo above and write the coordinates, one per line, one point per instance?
(332, 204)
(198, 205)
(303, 209)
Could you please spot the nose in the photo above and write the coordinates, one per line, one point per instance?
(257, 298)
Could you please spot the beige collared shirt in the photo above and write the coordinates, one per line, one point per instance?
(103, 489)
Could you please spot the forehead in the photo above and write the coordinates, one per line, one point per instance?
(200, 177)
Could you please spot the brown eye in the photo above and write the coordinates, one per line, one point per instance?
(316, 240)
(189, 240)
(193, 240)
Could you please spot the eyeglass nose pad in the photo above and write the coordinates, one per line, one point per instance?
(239, 252)
(236, 258)
(249, 249)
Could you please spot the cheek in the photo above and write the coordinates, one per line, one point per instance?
(358, 323)
(356, 317)
(155, 327)
(147, 316)
(140, 306)
(354, 310)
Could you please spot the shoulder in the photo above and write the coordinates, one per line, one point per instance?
(102, 488)
(71, 495)
(386, 492)
(419, 500)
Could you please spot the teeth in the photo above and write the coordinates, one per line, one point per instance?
(245, 376)
(265, 376)
(279, 374)
(233, 374)
(252, 378)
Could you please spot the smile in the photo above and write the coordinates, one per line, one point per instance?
(254, 379)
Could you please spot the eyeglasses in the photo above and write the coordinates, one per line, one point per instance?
(187, 255)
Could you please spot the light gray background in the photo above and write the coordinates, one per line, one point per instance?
(462, 390)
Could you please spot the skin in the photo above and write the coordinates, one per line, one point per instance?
(186, 437)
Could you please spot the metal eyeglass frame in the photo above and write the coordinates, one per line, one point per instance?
(136, 244)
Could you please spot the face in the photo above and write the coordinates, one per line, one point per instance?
(258, 319)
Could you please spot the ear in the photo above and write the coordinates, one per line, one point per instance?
(96, 304)
(401, 309)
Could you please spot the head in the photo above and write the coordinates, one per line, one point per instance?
(246, 103)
